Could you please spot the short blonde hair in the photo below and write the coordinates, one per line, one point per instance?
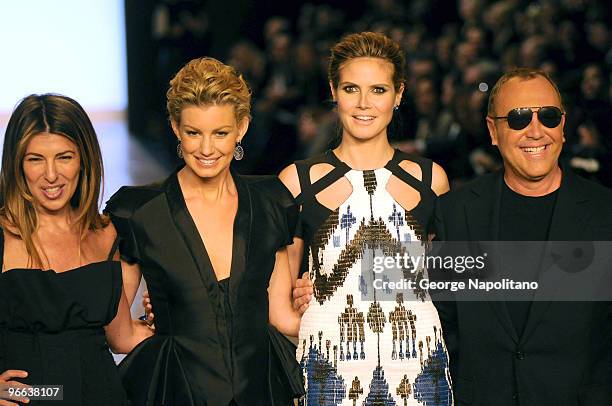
(206, 81)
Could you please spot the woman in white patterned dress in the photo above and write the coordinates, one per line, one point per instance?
(359, 344)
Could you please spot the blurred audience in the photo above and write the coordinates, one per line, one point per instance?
(455, 52)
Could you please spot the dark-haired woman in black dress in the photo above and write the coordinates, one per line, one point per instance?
(61, 297)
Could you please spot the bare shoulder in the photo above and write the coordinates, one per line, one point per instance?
(412, 168)
(12, 240)
(15, 252)
(290, 179)
(108, 232)
(101, 240)
(439, 180)
(318, 170)
(8, 227)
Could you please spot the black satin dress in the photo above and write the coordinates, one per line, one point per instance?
(51, 325)
(211, 346)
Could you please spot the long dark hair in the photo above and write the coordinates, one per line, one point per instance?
(56, 114)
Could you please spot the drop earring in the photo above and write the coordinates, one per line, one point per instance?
(179, 150)
(238, 151)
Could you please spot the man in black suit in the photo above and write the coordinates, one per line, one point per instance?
(536, 353)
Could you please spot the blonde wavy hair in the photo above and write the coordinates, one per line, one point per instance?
(56, 114)
(206, 81)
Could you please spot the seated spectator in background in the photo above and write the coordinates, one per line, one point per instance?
(590, 145)
(475, 37)
(315, 131)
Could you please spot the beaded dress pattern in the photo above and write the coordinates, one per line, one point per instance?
(358, 345)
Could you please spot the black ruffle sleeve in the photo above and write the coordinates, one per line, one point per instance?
(120, 207)
(288, 210)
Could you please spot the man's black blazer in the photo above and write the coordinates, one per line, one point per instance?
(564, 356)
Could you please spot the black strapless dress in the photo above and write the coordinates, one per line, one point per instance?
(51, 325)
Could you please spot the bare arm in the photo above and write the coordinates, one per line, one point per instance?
(289, 177)
(282, 315)
(131, 280)
(439, 180)
(295, 253)
(302, 292)
(130, 273)
(123, 333)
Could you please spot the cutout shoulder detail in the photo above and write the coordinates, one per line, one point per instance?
(330, 187)
(410, 182)
(403, 193)
(412, 168)
(308, 188)
(290, 178)
(404, 166)
(318, 171)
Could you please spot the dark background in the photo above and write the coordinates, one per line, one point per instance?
(455, 52)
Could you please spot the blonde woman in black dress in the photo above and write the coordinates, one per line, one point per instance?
(211, 245)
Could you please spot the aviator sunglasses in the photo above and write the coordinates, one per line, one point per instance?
(520, 117)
